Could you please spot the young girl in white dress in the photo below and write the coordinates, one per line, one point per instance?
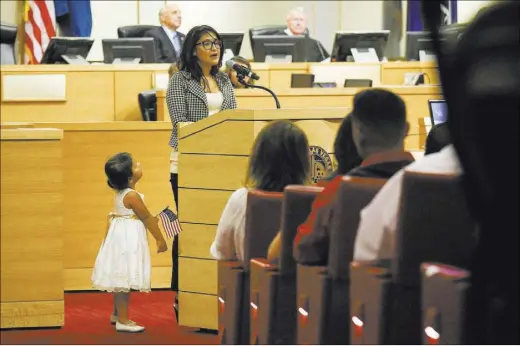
(123, 261)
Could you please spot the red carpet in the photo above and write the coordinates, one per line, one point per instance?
(87, 322)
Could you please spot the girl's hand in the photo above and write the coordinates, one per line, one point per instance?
(161, 246)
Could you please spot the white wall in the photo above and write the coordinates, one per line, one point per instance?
(8, 12)
(467, 9)
(324, 17)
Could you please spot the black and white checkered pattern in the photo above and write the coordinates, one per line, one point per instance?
(187, 101)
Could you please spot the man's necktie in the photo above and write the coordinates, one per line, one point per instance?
(176, 44)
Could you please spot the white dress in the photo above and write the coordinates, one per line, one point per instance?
(123, 262)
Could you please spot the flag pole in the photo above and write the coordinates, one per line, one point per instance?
(20, 9)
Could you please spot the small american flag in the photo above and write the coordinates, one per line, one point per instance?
(170, 222)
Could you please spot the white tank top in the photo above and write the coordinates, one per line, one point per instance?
(214, 102)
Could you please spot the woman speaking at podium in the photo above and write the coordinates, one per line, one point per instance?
(197, 91)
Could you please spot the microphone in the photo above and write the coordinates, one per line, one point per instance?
(242, 69)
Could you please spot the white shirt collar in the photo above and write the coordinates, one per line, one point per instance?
(288, 32)
(171, 33)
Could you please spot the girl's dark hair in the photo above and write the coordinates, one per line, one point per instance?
(118, 169)
(345, 150)
(280, 157)
(189, 62)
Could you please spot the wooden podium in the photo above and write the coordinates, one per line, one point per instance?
(213, 157)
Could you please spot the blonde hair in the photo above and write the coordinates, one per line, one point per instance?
(173, 69)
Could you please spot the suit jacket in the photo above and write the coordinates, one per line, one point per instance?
(164, 50)
(187, 101)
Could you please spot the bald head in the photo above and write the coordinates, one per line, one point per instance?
(296, 21)
(170, 16)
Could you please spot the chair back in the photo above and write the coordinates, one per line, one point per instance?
(269, 30)
(297, 206)
(263, 216)
(148, 105)
(133, 30)
(353, 195)
(7, 41)
(434, 225)
(444, 290)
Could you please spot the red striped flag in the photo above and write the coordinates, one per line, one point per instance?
(170, 222)
(40, 26)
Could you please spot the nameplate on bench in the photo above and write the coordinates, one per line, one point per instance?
(34, 88)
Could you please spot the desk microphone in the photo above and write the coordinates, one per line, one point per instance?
(242, 70)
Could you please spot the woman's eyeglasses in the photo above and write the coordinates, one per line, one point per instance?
(208, 45)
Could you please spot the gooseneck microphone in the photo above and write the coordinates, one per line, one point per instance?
(241, 70)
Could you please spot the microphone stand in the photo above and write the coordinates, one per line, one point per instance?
(240, 78)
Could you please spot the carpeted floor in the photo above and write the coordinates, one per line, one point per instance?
(87, 322)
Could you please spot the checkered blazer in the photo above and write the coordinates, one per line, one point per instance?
(187, 101)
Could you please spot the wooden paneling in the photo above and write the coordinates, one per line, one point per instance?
(196, 239)
(88, 199)
(128, 84)
(90, 97)
(198, 275)
(202, 206)
(32, 314)
(198, 310)
(196, 170)
(394, 73)
(31, 200)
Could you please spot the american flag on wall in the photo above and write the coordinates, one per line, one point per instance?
(170, 222)
(40, 26)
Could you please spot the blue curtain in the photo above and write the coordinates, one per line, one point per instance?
(414, 18)
(74, 17)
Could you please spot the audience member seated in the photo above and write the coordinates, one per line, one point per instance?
(232, 74)
(379, 128)
(347, 157)
(297, 25)
(168, 41)
(378, 222)
(438, 138)
(280, 157)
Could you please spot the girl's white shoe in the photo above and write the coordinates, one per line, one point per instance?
(129, 328)
(114, 319)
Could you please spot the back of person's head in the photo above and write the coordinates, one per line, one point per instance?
(279, 157)
(379, 122)
(118, 170)
(437, 139)
(345, 150)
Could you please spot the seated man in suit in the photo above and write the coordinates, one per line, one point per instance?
(297, 25)
(168, 41)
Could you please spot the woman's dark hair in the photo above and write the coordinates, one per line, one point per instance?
(345, 150)
(438, 138)
(189, 61)
(118, 170)
(280, 157)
